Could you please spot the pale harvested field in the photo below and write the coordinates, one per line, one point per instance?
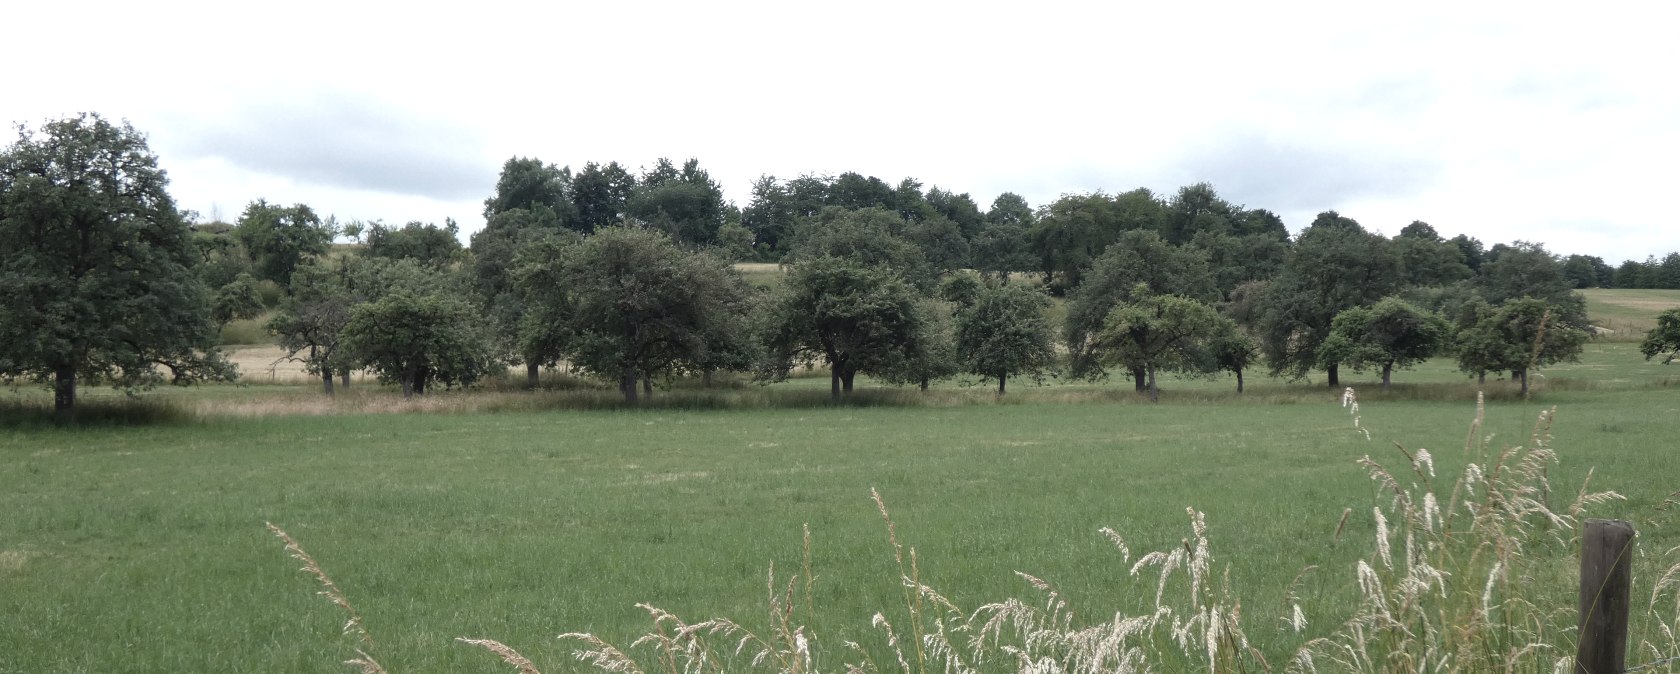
(267, 364)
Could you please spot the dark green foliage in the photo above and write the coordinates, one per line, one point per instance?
(735, 242)
(528, 184)
(848, 314)
(1587, 271)
(238, 299)
(422, 242)
(1002, 249)
(1663, 340)
(1003, 332)
(1335, 265)
(958, 208)
(1520, 335)
(635, 304)
(97, 265)
(416, 337)
(1074, 230)
(941, 242)
(1137, 259)
(1426, 259)
(871, 236)
(600, 195)
(686, 204)
(1156, 332)
(311, 321)
(1390, 334)
(279, 238)
(961, 289)
(1237, 260)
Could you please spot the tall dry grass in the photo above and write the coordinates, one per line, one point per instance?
(1444, 588)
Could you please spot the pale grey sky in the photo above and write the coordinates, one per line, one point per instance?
(1542, 122)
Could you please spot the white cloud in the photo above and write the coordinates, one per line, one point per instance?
(1500, 120)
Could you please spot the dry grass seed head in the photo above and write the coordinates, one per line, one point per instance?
(505, 652)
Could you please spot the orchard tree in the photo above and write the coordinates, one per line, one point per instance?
(280, 238)
(1229, 348)
(97, 265)
(872, 237)
(1155, 333)
(1392, 333)
(641, 305)
(311, 321)
(1138, 258)
(1519, 336)
(1335, 265)
(1004, 332)
(237, 300)
(1663, 340)
(418, 338)
(851, 316)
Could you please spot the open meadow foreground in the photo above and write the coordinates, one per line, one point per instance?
(144, 548)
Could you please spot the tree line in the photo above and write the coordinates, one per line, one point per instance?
(629, 277)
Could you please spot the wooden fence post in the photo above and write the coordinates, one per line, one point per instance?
(1606, 580)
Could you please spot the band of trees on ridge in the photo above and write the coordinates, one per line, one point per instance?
(630, 277)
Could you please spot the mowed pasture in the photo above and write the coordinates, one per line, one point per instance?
(518, 516)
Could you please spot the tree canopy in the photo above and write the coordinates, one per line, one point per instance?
(97, 264)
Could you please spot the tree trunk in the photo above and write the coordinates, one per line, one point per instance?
(706, 378)
(422, 380)
(1003, 379)
(1140, 379)
(846, 381)
(647, 385)
(1523, 375)
(327, 381)
(1154, 391)
(344, 378)
(1334, 381)
(533, 374)
(924, 383)
(1239, 381)
(1388, 371)
(627, 384)
(64, 389)
(408, 385)
(1481, 377)
(834, 383)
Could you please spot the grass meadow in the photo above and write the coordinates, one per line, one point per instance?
(518, 515)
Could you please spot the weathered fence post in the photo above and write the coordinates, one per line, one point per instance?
(1606, 578)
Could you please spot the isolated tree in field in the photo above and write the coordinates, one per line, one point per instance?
(1004, 332)
(1155, 333)
(1663, 340)
(850, 316)
(1137, 258)
(1518, 336)
(1335, 265)
(1390, 334)
(280, 238)
(97, 265)
(640, 305)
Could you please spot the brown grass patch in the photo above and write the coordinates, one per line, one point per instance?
(12, 561)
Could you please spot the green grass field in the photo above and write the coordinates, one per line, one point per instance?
(518, 515)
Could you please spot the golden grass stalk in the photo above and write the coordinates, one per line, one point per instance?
(505, 652)
(329, 589)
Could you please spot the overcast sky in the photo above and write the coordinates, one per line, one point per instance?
(1550, 123)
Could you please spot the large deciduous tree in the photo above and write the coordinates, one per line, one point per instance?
(97, 264)
(1004, 332)
(850, 315)
(1519, 336)
(1136, 259)
(1156, 332)
(1335, 265)
(1392, 333)
(639, 305)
